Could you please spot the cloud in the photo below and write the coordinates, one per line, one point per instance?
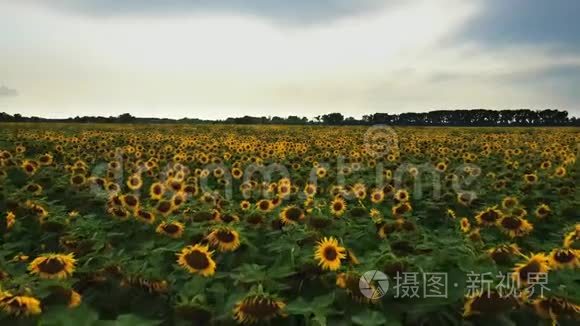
(529, 22)
(7, 92)
(282, 11)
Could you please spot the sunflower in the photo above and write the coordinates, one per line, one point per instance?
(130, 202)
(264, 205)
(489, 216)
(178, 199)
(165, 207)
(564, 258)
(29, 167)
(284, 190)
(514, 226)
(113, 187)
(174, 184)
(451, 214)
(542, 211)
(528, 271)
(291, 215)
(560, 171)
(401, 208)
(259, 307)
(377, 196)
(337, 206)
(119, 212)
(350, 281)
(571, 237)
(53, 266)
(509, 203)
(171, 229)
(321, 172)
(10, 220)
(45, 159)
(156, 190)
(77, 180)
(402, 195)
(503, 254)
(530, 178)
(228, 218)
(245, 205)
(555, 307)
(488, 303)
(465, 225)
(145, 216)
(310, 190)
(197, 259)
(441, 167)
(134, 182)
(237, 173)
(465, 198)
(224, 238)
(61, 295)
(33, 188)
(18, 305)
(329, 253)
(375, 214)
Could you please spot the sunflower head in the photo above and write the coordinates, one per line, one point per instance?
(329, 253)
(401, 208)
(165, 207)
(514, 226)
(555, 308)
(350, 282)
(197, 260)
(572, 237)
(134, 182)
(291, 215)
(542, 211)
(264, 205)
(465, 225)
(489, 216)
(531, 269)
(53, 266)
(564, 258)
(145, 216)
(258, 307)
(377, 196)
(509, 203)
(503, 254)
(19, 305)
(130, 202)
(402, 195)
(156, 190)
(171, 229)
(488, 303)
(224, 238)
(337, 206)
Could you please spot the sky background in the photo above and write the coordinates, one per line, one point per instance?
(214, 59)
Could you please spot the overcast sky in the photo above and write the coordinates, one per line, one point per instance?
(220, 58)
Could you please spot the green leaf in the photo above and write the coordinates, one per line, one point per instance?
(372, 318)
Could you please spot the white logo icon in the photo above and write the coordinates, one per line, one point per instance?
(373, 284)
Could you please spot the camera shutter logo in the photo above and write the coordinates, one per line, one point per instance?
(373, 284)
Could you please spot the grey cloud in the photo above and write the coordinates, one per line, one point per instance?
(534, 22)
(7, 92)
(293, 12)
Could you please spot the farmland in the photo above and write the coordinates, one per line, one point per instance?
(214, 224)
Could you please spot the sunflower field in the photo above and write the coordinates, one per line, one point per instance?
(228, 224)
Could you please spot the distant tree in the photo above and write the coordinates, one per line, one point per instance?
(126, 118)
(333, 118)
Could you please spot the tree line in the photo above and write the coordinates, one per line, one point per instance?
(433, 118)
